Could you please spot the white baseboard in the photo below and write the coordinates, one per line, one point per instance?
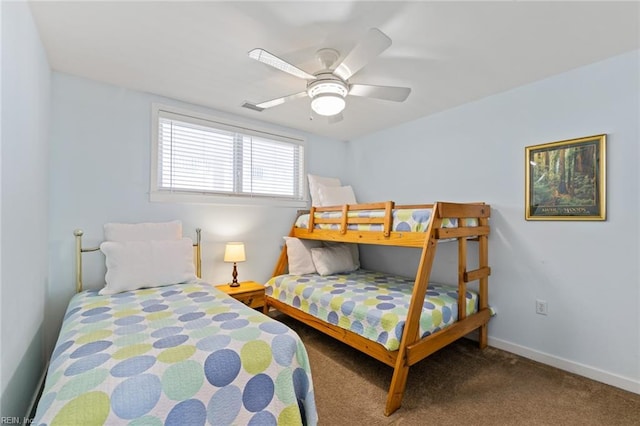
(596, 374)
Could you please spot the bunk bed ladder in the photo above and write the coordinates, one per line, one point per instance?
(410, 333)
(411, 348)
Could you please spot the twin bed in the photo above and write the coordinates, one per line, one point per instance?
(181, 354)
(188, 354)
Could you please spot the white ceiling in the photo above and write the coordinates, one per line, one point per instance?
(449, 53)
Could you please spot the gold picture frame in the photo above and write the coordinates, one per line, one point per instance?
(566, 180)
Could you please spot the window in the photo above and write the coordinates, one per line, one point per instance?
(199, 155)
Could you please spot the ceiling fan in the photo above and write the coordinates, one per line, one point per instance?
(329, 87)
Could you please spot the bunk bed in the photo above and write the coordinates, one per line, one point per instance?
(341, 299)
(174, 354)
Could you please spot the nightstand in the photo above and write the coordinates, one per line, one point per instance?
(250, 293)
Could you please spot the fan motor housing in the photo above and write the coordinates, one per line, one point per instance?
(327, 83)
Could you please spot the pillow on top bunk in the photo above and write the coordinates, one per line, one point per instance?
(314, 184)
(299, 255)
(336, 195)
(123, 232)
(333, 259)
(132, 265)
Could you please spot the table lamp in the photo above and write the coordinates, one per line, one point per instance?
(234, 252)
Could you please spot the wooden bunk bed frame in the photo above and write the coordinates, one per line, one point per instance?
(412, 348)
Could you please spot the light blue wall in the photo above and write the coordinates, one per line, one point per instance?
(586, 271)
(24, 199)
(100, 155)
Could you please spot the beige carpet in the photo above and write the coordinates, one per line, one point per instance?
(459, 385)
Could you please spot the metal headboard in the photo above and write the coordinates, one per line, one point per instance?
(78, 233)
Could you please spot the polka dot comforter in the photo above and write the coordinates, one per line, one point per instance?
(184, 354)
(371, 304)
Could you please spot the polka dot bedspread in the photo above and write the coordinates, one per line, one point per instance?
(404, 220)
(184, 354)
(371, 304)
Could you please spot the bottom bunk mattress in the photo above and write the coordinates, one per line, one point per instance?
(184, 354)
(371, 304)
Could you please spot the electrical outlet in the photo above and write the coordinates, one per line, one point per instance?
(541, 307)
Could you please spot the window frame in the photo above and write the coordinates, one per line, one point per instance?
(161, 195)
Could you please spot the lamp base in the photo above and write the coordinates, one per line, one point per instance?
(234, 274)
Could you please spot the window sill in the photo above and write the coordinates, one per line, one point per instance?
(230, 200)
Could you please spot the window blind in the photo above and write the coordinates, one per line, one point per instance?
(201, 156)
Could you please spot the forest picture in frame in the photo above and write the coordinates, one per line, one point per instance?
(566, 180)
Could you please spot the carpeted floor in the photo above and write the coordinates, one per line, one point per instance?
(460, 384)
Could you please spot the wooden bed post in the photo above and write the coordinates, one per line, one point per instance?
(283, 260)
(281, 265)
(483, 303)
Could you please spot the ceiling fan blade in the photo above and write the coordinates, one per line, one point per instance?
(265, 57)
(332, 119)
(274, 102)
(388, 93)
(373, 44)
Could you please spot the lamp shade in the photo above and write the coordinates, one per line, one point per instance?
(234, 252)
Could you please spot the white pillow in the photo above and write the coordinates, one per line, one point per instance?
(332, 260)
(315, 182)
(353, 249)
(123, 232)
(336, 195)
(299, 255)
(133, 265)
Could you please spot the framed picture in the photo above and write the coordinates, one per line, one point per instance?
(566, 180)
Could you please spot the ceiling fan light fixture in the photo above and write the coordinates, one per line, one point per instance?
(328, 104)
(329, 87)
(327, 95)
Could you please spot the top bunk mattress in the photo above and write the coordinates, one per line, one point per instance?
(404, 220)
(371, 304)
